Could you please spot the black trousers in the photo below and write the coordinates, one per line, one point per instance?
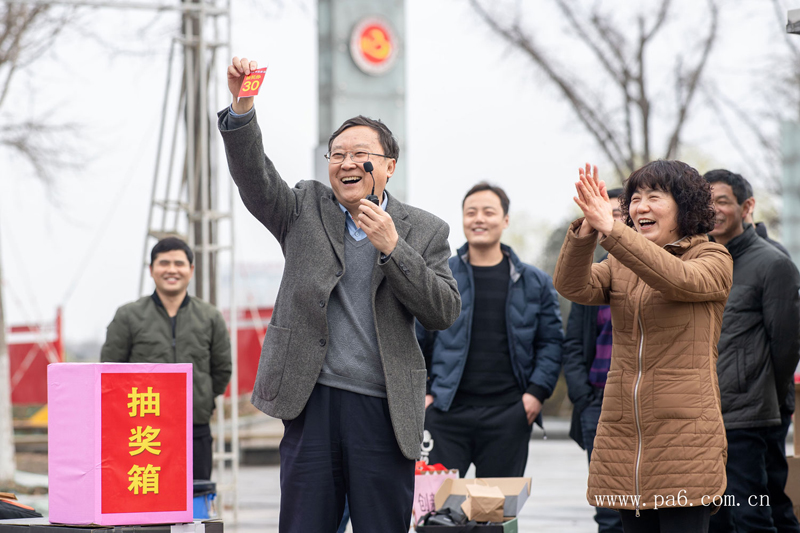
(783, 517)
(201, 453)
(672, 520)
(608, 520)
(757, 472)
(343, 443)
(495, 438)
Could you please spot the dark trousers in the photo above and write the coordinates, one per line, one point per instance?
(608, 520)
(201, 452)
(343, 444)
(777, 472)
(495, 438)
(754, 467)
(673, 520)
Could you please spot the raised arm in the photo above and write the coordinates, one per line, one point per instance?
(705, 277)
(263, 191)
(577, 278)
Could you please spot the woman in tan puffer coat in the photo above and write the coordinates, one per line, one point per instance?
(659, 454)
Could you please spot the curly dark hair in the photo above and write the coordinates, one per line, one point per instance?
(689, 190)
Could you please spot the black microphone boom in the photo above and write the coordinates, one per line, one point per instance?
(371, 197)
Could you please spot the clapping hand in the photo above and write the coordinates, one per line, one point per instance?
(593, 200)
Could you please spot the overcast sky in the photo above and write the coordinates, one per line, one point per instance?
(476, 110)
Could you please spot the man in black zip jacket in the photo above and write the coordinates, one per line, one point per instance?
(759, 349)
(169, 326)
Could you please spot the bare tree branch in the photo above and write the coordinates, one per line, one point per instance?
(25, 33)
(661, 19)
(586, 113)
(693, 79)
(618, 73)
(642, 101)
(41, 145)
(768, 144)
(623, 132)
(729, 130)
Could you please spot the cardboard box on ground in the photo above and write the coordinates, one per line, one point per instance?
(454, 492)
(516, 490)
(793, 480)
(483, 503)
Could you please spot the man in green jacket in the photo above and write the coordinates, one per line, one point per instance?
(169, 326)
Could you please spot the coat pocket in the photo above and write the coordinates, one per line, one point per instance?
(677, 393)
(418, 379)
(618, 302)
(613, 394)
(668, 314)
(272, 362)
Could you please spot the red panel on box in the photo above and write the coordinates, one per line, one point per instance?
(144, 442)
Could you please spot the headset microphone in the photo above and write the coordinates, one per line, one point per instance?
(371, 197)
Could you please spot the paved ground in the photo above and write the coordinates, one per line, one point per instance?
(557, 502)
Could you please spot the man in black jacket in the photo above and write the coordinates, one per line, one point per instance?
(587, 356)
(169, 326)
(759, 349)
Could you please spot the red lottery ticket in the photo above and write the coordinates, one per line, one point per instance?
(252, 82)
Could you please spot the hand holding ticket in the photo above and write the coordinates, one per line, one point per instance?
(244, 81)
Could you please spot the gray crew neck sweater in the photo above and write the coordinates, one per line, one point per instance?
(353, 362)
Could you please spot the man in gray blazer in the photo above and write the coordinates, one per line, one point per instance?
(340, 362)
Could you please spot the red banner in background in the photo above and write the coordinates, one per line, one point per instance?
(143, 447)
(31, 347)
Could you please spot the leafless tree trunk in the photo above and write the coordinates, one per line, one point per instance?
(26, 31)
(623, 127)
(7, 459)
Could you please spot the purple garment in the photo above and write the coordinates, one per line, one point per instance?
(602, 359)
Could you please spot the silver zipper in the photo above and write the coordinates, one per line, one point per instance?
(636, 414)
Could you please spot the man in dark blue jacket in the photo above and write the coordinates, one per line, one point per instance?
(491, 371)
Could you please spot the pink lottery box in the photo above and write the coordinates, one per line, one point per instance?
(119, 443)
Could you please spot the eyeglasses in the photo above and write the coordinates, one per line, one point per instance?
(337, 158)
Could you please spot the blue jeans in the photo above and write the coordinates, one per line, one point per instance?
(608, 520)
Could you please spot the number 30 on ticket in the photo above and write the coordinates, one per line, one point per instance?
(252, 82)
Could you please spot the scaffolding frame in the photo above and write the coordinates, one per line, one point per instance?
(190, 210)
(195, 200)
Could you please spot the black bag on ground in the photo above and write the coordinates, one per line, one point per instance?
(14, 509)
